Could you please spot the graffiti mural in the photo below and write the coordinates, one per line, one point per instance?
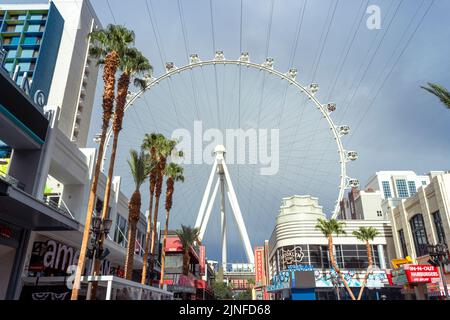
(329, 278)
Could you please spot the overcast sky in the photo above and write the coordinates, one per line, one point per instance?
(373, 76)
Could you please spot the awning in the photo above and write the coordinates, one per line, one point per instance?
(20, 208)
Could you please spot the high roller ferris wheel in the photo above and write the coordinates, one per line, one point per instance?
(308, 91)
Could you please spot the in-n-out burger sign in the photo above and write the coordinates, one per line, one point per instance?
(415, 273)
(6, 232)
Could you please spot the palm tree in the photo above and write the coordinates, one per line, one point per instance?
(109, 45)
(187, 236)
(366, 234)
(132, 64)
(328, 228)
(439, 91)
(174, 173)
(151, 144)
(164, 150)
(139, 171)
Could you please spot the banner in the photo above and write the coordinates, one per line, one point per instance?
(259, 267)
(202, 260)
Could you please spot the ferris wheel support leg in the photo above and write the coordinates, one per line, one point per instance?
(238, 216)
(201, 211)
(208, 211)
(223, 222)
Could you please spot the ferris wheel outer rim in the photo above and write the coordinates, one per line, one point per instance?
(343, 185)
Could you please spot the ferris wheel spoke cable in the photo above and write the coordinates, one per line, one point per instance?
(372, 58)
(345, 53)
(394, 65)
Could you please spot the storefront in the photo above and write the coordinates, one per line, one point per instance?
(307, 283)
(418, 281)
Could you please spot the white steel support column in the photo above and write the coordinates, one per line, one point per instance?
(223, 220)
(238, 216)
(201, 211)
(226, 189)
(208, 211)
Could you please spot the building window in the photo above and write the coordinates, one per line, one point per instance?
(34, 28)
(27, 53)
(32, 40)
(387, 189)
(11, 54)
(402, 189)
(419, 234)
(379, 213)
(11, 41)
(424, 183)
(401, 235)
(121, 231)
(439, 227)
(412, 187)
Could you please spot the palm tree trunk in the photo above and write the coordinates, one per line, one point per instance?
(369, 268)
(163, 253)
(336, 268)
(186, 261)
(122, 91)
(153, 244)
(129, 260)
(109, 71)
(134, 210)
(159, 182)
(147, 241)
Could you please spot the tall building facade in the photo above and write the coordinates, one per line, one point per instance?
(48, 46)
(397, 184)
(421, 220)
(75, 77)
(30, 37)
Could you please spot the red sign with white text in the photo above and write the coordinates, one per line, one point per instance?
(259, 266)
(202, 259)
(422, 273)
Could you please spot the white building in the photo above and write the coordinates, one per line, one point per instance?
(296, 243)
(397, 184)
(362, 204)
(75, 76)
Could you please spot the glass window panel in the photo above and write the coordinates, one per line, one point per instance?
(28, 53)
(419, 234)
(412, 187)
(34, 28)
(402, 189)
(386, 189)
(9, 66)
(11, 54)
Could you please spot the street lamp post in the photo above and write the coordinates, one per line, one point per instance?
(100, 229)
(439, 257)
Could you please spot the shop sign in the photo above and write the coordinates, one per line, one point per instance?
(292, 256)
(202, 259)
(5, 232)
(421, 273)
(399, 277)
(181, 289)
(259, 266)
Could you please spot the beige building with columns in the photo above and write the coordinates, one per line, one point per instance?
(422, 219)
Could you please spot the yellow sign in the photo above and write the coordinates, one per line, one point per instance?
(396, 263)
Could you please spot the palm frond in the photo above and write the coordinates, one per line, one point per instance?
(138, 167)
(439, 91)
